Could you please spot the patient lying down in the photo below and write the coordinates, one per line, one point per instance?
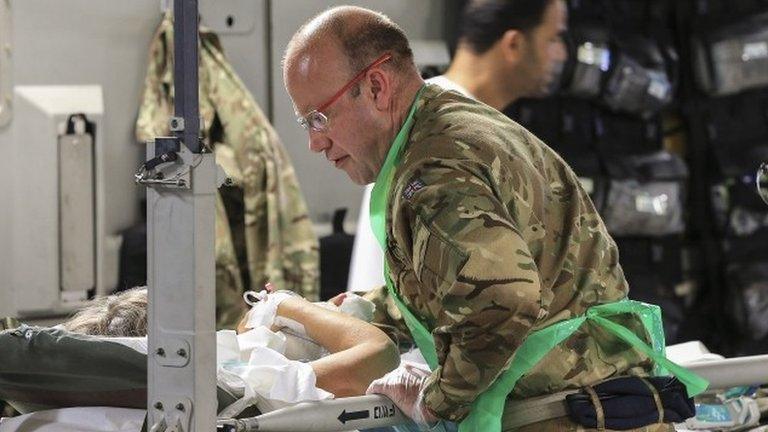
(344, 352)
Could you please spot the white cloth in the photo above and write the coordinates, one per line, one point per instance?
(81, 419)
(366, 269)
(276, 380)
(264, 311)
(269, 368)
(252, 366)
(447, 84)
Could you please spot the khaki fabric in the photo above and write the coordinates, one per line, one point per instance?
(8, 323)
(275, 241)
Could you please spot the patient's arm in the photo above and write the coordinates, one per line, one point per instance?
(359, 351)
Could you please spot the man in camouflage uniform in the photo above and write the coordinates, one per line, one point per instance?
(489, 233)
(266, 236)
(507, 50)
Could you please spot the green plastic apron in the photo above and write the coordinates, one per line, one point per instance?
(488, 407)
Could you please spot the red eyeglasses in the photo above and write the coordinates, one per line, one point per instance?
(315, 119)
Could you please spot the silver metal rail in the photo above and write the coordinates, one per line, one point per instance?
(181, 180)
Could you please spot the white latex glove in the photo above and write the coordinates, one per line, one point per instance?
(350, 304)
(358, 307)
(264, 306)
(405, 386)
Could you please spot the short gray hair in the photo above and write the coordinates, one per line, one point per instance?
(119, 315)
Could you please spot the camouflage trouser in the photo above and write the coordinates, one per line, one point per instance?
(564, 424)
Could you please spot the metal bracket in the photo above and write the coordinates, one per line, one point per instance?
(172, 352)
(164, 172)
(171, 173)
(166, 144)
(175, 415)
(176, 124)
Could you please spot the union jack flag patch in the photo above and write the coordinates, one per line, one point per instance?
(412, 188)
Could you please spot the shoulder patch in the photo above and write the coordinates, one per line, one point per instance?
(412, 187)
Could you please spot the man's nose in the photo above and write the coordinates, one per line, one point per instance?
(318, 142)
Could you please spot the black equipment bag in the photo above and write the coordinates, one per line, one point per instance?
(638, 81)
(646, 195)
(737, 131)
(589, 59)
(733, 57)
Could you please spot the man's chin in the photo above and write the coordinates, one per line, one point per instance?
(353, 176)
(359, 178)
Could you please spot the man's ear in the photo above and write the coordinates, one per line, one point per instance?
(512, 45)
(379, 88)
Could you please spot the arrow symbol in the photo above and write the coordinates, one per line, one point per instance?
(345, 416)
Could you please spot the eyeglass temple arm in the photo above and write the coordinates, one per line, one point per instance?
(354, 80)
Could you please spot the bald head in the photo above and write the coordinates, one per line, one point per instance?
(351, 77)
(357, 34)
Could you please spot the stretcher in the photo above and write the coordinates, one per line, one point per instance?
(45, 370)
(47, 373)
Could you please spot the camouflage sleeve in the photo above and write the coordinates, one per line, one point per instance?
(387, 317)
(155, 108)
(477, 276)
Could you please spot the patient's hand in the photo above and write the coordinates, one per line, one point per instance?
(265, 308)
(338, 299)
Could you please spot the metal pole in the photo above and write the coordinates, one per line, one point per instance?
(185, 73)
(181, 179)
(333, 415)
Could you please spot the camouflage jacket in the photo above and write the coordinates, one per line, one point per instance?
(271, 231)
(491, 236)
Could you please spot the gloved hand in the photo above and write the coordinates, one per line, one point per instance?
(264, 306)
(405, 386)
